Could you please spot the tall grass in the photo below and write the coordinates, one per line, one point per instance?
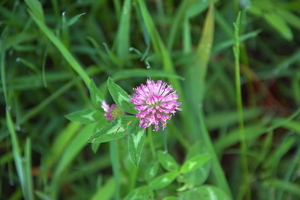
(234, 64)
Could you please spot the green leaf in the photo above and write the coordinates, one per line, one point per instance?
(120, 97)
(197, 8)
(170, 198)
(36, 8)
(106, 191)
(151, 171)
(42, 195)
(123, 35)
(289, 17)
(163, 180)
(97, 128)
(27, 170)
(259, 7)
(95, 147)
(74, 19)
(198, 69)
(96, 95)
(141, 193)
(279, 24)
(167, 161)
(87, 116)
(197, 177)
(136, 141)
(194, 163)
(205, 192)
(116, 129)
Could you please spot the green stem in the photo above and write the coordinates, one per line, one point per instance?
(164, 139)
(243, 146)
(114, 157)
(150, 139)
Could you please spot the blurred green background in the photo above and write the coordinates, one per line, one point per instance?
(49, 50)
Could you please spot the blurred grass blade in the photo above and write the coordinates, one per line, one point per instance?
(105, 192)
(289, 17)
(59, 145)
(2, 65)
(289, 173)
(122, 39)
(279, 24)
(219, 176)
(74, 19)
(15, 149)
(42, 105)
(178, 20)
(114, 157)
(158, 45)
(272, 161)
(291, 187)
(42, 195)
(130, 73)
(27, 170)
(252, 131)
(205, 44)
(64, 51)
(244, 191)
(23, 172)
(70, 152)
(103, 56)
(197, 71)
(197, 74)
(36, 8)
(281, 122)
(229, 43)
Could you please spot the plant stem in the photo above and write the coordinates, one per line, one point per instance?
(113, 149)
(150, 139)
(243, 146)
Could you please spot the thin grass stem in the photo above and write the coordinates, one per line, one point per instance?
(245, 189)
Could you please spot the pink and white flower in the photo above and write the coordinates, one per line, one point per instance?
(111, 112)
(155, 102)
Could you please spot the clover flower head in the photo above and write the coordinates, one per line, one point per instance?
(111, 111)
(155, 102)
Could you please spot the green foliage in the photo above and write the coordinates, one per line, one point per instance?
(87, 116)
(163, 180)
(205, 192)
(120, 97)
(194, 163)
(96, 95)
(136, 141)
(276, 16)
(116, 129)
(167, 161)
(237, 136)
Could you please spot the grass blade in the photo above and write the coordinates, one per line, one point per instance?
(63, 50)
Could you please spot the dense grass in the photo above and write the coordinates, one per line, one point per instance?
(235, 66)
